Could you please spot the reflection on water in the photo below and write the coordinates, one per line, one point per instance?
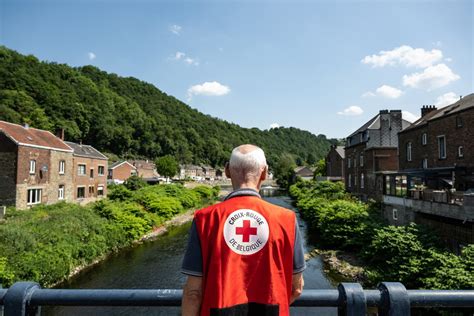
(156, 265)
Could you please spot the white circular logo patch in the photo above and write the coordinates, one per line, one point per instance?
(246, 232)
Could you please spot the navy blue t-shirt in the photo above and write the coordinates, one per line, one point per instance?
(192, 262)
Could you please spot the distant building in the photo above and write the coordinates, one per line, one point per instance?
(36, 167)
(120, 171)
(372, 150)
(335, 160)
(145, 169)
(192, 172)
(304, 172)
(89, 173)
(209, 172)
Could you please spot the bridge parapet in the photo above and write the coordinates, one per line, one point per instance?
(390, 298)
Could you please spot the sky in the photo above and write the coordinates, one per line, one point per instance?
(322, 66)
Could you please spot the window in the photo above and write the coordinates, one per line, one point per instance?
(81, 192)
(362, 181)
(409, 151)
(100, 190)
(460, 151)
(442, 147)
(348, 162)
(458, 121)
(395, 214)
(349, 182)
(81, 170)
(424, 139)
(91, 173)
(34, 196)
(425, 163)
(61, 192)
(32, 166)
(355, 181)
(62, 166)
(100, 170)
(91, 190)
(361, 160)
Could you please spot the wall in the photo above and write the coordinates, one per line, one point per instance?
(334, 164)
(57, 179)
(8, 161)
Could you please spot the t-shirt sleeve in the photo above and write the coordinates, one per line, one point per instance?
(192, 262)
(299, 264)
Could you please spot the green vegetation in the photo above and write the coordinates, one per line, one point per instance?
(167, 166)
(131, 118)
(45, 244)
(408, 254)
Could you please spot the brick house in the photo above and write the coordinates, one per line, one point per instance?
(145, 169)
(335, 162)
(35, 167)
(372, 150)
(88, 173)
(120, 171)
(435, 183)
(304, 172)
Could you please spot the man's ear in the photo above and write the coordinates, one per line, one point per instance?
(264, 174)
(227, 170)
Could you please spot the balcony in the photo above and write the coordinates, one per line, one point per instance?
(390, 298)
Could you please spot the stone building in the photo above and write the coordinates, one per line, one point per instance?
(88, 173)
(145, 169)
(120, 171)
(372, 150)
(35, 167)
(304, 172)
(335, 162)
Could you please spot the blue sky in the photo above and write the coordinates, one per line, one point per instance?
(323, 66)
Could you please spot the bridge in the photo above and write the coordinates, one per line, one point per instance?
(390, 298)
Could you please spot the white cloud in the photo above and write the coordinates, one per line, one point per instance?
(213, 88)
(175, 29)
(274, 125)
(448, 60)
(431, 78)
(384, 91)
(353, 110)
(389, 92)
(179, 55)
(410, 117)
(91, 55)
(368, 94)
(446, 99)
(406, 56)
(191, 61)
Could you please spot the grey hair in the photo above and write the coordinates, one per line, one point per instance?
(247, 165)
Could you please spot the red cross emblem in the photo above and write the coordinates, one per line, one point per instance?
(246, 231)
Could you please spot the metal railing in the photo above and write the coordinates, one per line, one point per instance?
(390, 298)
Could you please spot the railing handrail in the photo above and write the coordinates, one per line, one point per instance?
(24, 298)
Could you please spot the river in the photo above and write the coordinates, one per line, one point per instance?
(156, 264)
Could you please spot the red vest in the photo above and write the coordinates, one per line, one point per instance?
(247, 250)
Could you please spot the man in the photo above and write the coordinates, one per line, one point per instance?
(245, 255)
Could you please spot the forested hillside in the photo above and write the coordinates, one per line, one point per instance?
(129, 117)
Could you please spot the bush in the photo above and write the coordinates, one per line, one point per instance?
(135, 183)
(119, 193)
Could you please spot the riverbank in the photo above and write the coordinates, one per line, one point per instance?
(409, 254)
(51, 243)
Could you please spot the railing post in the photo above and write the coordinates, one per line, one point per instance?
(395, 300)
(353, 300)
(17, 298)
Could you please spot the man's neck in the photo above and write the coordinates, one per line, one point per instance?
(241, 186)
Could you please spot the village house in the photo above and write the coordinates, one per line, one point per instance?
(209, 173)
(120, 171)
(304, 172)
(89, 177)
(335, 162)
(36, 167)
(146, 169)
(370, 151)
(191, 172)
(435, 181)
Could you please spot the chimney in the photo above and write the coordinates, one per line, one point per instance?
(26, 126)
(60, 133)
(425, 109)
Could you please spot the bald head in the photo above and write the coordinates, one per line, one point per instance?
(247, 165)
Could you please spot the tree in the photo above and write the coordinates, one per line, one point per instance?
(167, 166)
(320, 168)
(284, 170)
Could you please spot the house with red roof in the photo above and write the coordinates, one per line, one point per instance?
(35, 167)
